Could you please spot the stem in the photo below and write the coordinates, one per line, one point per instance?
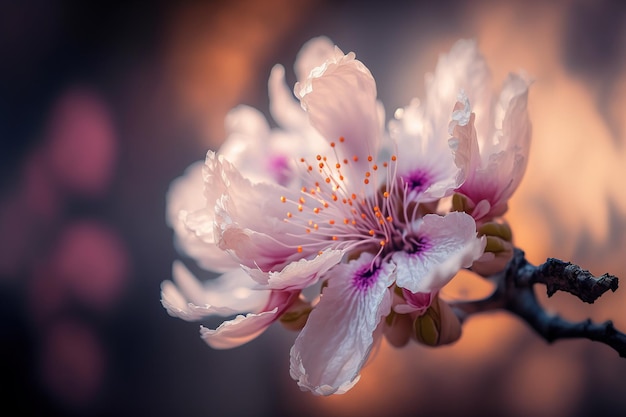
(514, 293)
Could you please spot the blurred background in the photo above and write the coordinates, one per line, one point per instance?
(103, 104)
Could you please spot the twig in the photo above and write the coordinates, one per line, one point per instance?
(514, 293)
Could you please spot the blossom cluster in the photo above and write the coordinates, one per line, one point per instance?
(342, 226)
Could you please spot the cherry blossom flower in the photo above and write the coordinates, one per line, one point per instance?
(493, 135)
(331, 199)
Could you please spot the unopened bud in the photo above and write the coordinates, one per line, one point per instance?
(462, 203)
(438, 325)
(501, 230)
(498, 253)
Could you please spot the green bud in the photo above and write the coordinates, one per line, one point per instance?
(495, 245)
(500, 230)
(438, 325)
(461, 203)
(426, 329)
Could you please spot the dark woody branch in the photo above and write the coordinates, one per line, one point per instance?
(514, 293)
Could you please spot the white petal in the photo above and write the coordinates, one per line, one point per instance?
(449, 244)
(297, 275)
(248, 145)
(193, 233)
(231, 293)
(503, 151)
(463, 68)
(242, 329)
(338, 336)
(340, 98)
(313, 54)
(464, 142)
(516, 128)
(284, 107)
(249, 218)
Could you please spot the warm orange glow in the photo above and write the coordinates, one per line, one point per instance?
(214, 53)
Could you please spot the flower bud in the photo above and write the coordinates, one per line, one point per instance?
(438, 325)
(498, 251)
(462, 203)
(501, 230)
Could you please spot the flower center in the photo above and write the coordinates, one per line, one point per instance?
(346, 203)
(365, 277)
(417, 181)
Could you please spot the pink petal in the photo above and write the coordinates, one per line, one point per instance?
(243, 329)
(284, 107)
(461, 69)
(250, 219)
(338, 336)
(414, 302)
(449, 244)
(313, 54)
(340, 98)
(193, 222)
(229, 294)
(299, 274)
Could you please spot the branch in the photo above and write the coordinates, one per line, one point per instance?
(514, 293)
(565, 276)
